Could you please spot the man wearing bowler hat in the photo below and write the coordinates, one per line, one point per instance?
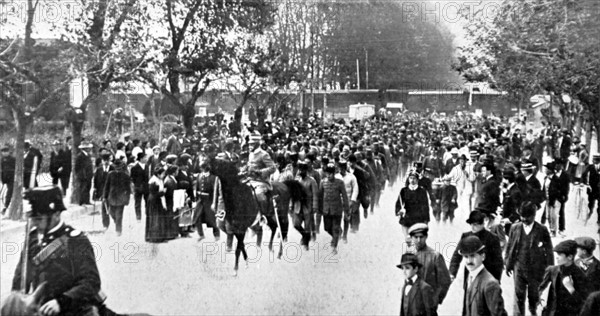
(417, 296)
(483, 295)
(60, 256)
(493, 251)
(433, 270)
(528, 254)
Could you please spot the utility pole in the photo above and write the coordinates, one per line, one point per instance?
(357, 75)
(367, 67)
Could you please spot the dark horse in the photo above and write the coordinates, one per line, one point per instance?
(240, 204)
(19, 304)
(283, 193)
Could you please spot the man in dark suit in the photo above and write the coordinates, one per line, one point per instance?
(139, 178)
(551, 188)
(488, 196)
(568, 285)
(528, 254)
(31, 165)
(483, 294)
(533, 189)
(512, 199)
(591, 177)
(84, 172)
(7, 172)
(417, 296)
(100, 176)
(564, 183)
(173, 144)
(493, 252)
(64, 170)
(586, 261)
(564, 145)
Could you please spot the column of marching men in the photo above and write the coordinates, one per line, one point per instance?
(344, 166)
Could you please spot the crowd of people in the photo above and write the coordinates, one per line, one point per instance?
(490, 162)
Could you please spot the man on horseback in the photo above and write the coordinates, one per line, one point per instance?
(260, 167)
(60, 257)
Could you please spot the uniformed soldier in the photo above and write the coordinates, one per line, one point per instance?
(60, 256)
(260, 168)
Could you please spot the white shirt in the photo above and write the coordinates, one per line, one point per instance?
(408, 287)
(350, 184)
(527, 228)
(473, 274)
(135, 151)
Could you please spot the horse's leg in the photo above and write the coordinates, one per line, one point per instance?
(242, 247)
(259, 234)
(284, 224)
(273, 227)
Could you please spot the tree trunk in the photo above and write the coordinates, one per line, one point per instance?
(597, 134)
(15, 209)
(588, 134)
(76, 131)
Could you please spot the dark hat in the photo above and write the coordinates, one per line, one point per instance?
(550, 166)
(470, 245)
(528, 209)
(586, 243)
(409, 258)
(418, 228)
(509, 174)
(303, 164)
(463, 157)
(568, 247)
(596, 156)
(476, 217)
(5, 148)
(342, 163)
(330, 168)
(44, 200)
(418, 164)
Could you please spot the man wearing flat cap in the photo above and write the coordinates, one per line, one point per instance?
(565, 284)
(586, 261)
(433, 270)
(61, 257)
(528, 254)
(483, 294)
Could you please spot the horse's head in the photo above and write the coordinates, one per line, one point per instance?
(20, 304)
(227, 171)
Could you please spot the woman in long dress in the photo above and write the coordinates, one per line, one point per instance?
(155, 211)
(170, 217)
